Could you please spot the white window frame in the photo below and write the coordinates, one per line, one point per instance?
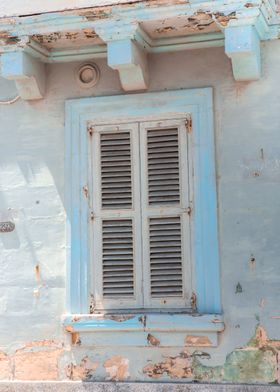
(81, 114)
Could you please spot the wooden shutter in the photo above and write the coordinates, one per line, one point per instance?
(165, 218)
(116, 252)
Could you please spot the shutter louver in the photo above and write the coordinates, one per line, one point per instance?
(116, 189)
(165, 257)
(117, 258)
(163, 166)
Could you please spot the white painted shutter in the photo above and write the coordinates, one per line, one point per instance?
(116, 252)
(165, 214)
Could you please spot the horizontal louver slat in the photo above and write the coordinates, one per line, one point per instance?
(116, 186)
(163, 166)
(165, 257)
(117, 258)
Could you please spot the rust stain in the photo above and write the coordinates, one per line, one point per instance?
(143, 320)
(174, 367)
(189, 125)
(82, 371)
(75, 339)
(90, 130)
(197, 341)
(92, 300)
(38, 274)
(85, 190)
(117, 368)
(194, 301)
(152, 340)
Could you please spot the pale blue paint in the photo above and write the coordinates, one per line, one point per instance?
(26, 71)
(242, 45)
(198, 103)
(153, 322)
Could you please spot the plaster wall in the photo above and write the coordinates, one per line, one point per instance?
(33, 345)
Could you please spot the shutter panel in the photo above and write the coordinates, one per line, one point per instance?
(163, 166)
(116, 231)
(117, 258)
(165, 202)
(116, 170)
(165, 257)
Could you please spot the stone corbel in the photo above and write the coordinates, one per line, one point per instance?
(126, 54)
(242, 45)
(27, 72)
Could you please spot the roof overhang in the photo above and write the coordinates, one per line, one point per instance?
(126, 33)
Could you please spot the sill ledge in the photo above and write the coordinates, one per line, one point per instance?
(152, 329)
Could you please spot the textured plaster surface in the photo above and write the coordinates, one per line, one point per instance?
(33, 344)
(130, 387)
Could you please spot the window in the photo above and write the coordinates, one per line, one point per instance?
(142, 213)
(141, 250)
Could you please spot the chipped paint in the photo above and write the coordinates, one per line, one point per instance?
(37, 361)
(82, 371)
(119, 317)
(257, 361)
(152, 340)
(174, 367)
(117, 368)
(197, 341)
(5, 366)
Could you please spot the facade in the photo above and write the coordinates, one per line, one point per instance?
(139, 180)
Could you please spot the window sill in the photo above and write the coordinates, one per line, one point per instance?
(152, 329)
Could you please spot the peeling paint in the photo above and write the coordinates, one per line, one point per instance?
(175, 367)
(152, 340)
(117, 368)
(119, 317)
(256, 362)
(223, 19)
(82, 371)
(197, 341)
(37, 361)
(5, 367)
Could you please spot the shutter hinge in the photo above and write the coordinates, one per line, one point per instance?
(194, 301)
(189, 124)
(90, 129)
(92, 304)
(91, 215)
(189, 211)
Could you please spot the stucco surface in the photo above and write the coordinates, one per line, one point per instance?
(33, 344)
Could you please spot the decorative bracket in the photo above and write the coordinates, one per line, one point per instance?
(126, 54)
(26, 71)
(242, 45)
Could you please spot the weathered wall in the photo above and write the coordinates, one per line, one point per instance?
(32, 262)
(31, 7)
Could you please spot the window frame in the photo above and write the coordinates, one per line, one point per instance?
(196, 105)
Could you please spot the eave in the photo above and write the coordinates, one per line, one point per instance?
(128, 32)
